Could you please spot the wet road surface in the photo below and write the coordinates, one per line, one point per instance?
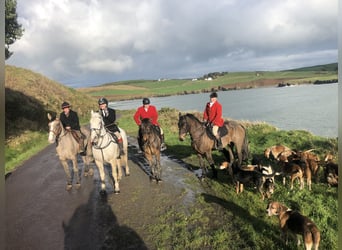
(41, 214)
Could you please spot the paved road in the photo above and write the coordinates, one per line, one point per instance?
(41, 214)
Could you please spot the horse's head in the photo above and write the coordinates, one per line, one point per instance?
(183, 127)
(146, 125)
(96, 126)
(146, 129)
(55, 128)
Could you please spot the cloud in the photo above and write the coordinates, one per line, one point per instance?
(89, 42)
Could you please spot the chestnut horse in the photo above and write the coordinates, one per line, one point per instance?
(203, 142)
(149, 141)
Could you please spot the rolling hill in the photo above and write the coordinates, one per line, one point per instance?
(29, 96)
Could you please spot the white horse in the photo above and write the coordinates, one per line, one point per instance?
(67, 149)
(106, 150)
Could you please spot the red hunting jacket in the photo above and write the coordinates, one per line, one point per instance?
(213, 114)
(151, 113)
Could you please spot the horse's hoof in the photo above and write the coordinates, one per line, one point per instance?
(128, 174)
(117, 192)
(86, 174)
(103, 192)
(68, 187)
(78, 185)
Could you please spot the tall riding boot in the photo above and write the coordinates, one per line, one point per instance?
(82, 148)
(162, 146)
(218, 143)
(120, 143)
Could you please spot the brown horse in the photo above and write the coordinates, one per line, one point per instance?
(149, 141)
(67, 150)
(203, 142)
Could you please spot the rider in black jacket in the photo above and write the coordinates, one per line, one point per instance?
(70, 121)
(109, 118)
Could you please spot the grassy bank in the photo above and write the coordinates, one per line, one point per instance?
(221, 219)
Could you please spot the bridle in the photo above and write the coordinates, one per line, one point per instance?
(185, 128)
(100, 134)
(56, 130)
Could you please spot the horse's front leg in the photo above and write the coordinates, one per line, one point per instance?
(76, 172)
(150, 161)
(67, 173)
(100, 167)
(158, 167)
(202, 166)
(209, 158)
(88, 171)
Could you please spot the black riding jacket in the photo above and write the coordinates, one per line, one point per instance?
(71, 120)
(109, 118)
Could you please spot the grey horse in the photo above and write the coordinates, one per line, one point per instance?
(67, 150)
(106, 150)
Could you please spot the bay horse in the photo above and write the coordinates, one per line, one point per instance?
(203, 142)
(150, 143)
(67, 150)
(106, 150)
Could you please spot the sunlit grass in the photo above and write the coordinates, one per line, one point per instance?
(219, 218)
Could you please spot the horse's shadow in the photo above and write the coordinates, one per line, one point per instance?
(95, 226)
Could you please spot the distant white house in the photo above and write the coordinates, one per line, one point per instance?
(208, 79)
(194, 79)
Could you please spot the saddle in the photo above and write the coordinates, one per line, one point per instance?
(78, 135)
(222, 131)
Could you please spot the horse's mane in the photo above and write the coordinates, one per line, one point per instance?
(192, 116)
(97, 115)
(146, 126)
(146, 121)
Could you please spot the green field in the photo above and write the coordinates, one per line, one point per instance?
(220, 81)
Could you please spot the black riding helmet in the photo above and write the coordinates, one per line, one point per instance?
(213, 95)
(103, 100)
(146, 101)
(65, 105)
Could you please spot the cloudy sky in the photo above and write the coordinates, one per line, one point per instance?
(83, 43)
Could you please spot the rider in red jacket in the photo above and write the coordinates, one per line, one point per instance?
(149, 111)
(212, 115)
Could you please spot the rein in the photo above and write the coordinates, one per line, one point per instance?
(100, 135)
(57, 132)
(197, 128)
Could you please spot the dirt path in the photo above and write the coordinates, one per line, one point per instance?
(41, 214)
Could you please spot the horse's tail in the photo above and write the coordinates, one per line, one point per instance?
(245, 149)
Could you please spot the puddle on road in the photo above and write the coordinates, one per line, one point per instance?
(174, 171)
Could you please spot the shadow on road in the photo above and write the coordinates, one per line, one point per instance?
(95, 226)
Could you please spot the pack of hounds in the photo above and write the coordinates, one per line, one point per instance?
(295, 166)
